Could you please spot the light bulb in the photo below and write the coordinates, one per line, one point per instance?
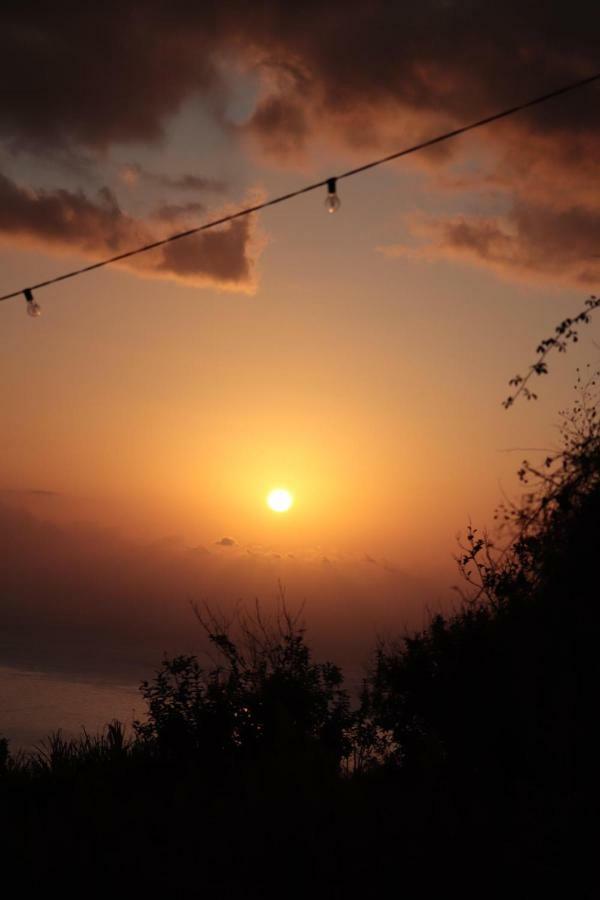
(33, 307)
(332, 201)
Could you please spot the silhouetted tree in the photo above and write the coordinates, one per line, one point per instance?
(491, 709)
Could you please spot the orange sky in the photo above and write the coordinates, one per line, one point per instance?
(369, 385)
(358, 359)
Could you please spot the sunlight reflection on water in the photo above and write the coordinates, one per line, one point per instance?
(32, 704)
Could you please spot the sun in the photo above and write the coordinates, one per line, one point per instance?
(279, 500)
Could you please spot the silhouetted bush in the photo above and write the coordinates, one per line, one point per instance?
(265, 697)
(490, 709)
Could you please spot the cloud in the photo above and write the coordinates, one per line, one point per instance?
(132, 173)
(440, 59)
(82, 598)
(358, 77)
(376, 78)
(225, 542)
(95, 80)
(281, 126)
(173, 212)
(544, 222)
(66, 221)
(531, 241)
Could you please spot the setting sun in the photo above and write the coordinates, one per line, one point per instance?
(279, 500)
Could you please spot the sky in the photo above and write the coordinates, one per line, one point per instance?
(357, 359)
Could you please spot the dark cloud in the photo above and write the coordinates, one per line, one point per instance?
(531, 241)
(383, 75)
(80, 75)
(131, 173)
(67, 220)
(439, 60)
(95, 76)
(281, 125)
(361, 76)
(225, 255)
(225, 542)
(173, 212)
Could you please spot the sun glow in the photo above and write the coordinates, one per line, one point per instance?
(279, 500)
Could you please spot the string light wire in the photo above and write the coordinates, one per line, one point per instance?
(325, 182)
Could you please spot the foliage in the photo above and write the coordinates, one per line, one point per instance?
(264, 695)
(501, 691)
(59, 755)
(565, 332)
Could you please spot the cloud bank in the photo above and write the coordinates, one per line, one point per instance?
(362, 76)
(80, 598)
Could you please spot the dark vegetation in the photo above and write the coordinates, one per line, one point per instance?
(465, 766)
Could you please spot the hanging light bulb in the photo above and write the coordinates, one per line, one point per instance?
(332, 201)
(33, 307)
